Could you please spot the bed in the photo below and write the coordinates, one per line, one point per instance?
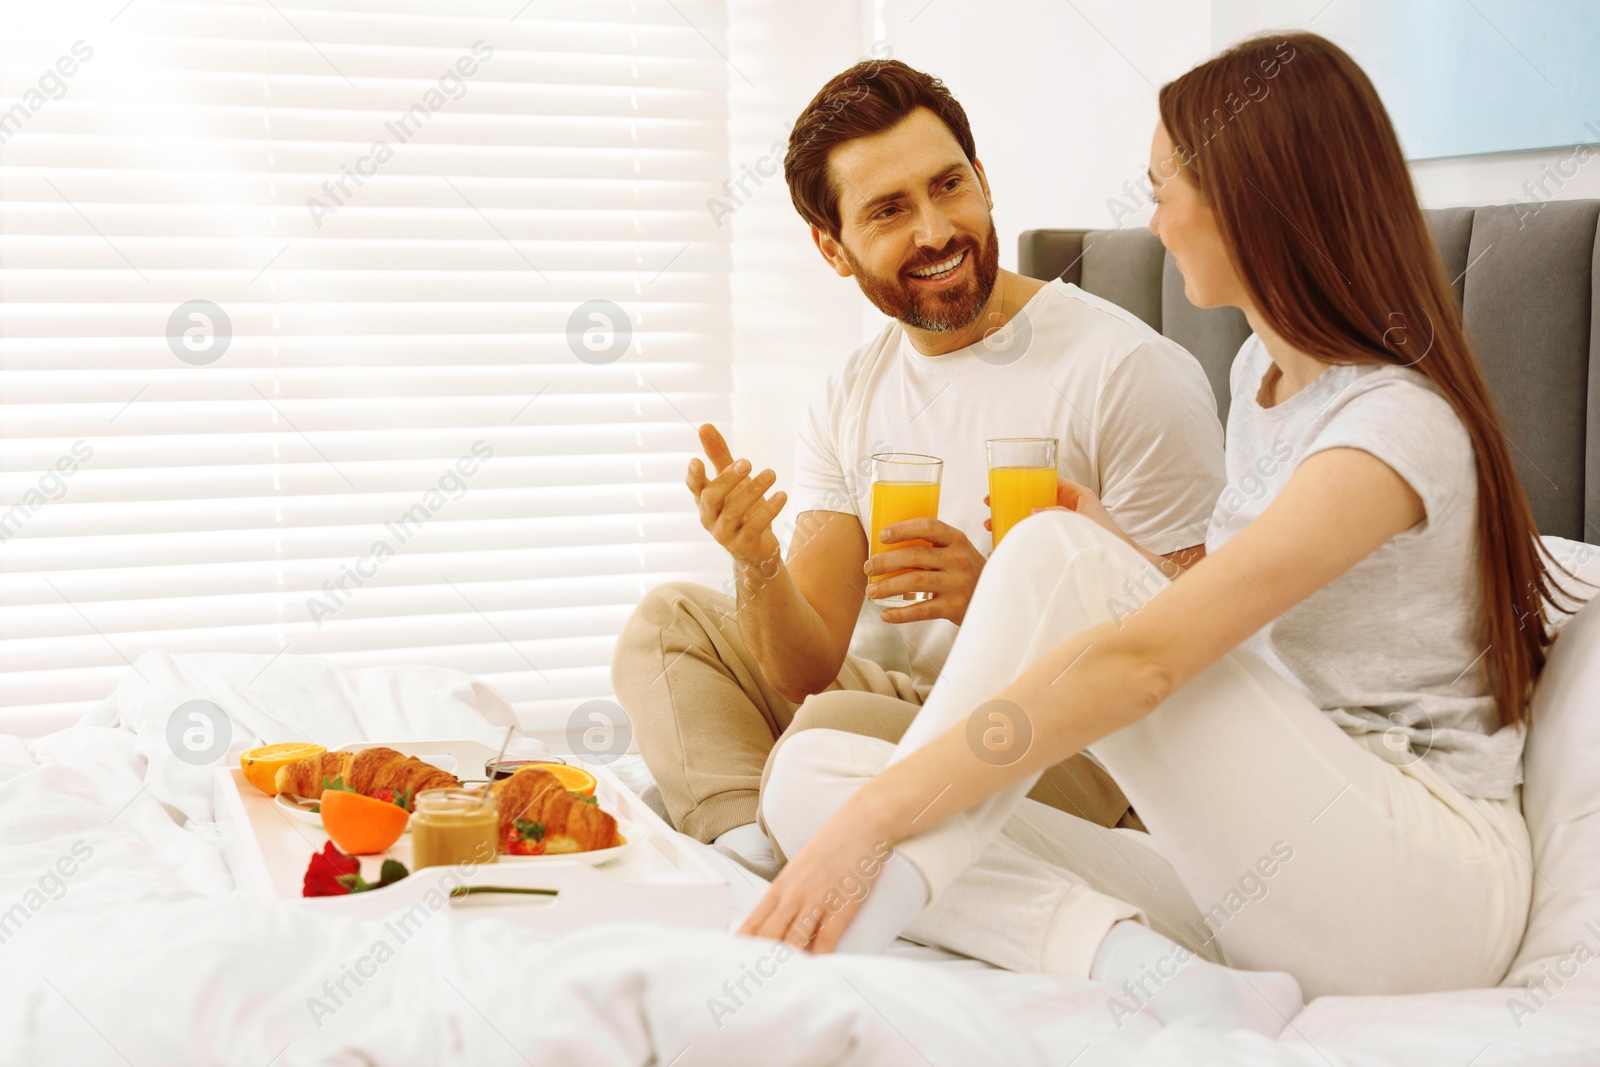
(123, 939)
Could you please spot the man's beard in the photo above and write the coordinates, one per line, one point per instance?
(941, 312)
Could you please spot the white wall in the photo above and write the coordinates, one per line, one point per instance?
(1062, 97)
(1523, 177)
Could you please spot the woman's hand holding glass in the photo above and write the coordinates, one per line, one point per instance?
(1070, 496)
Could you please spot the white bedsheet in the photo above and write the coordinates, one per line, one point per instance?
(140, 955)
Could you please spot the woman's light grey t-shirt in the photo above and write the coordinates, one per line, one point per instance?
(1392, 649)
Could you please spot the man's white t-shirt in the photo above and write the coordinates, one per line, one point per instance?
(1134, 413)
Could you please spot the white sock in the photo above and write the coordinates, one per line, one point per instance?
(1148, 970)
(748, 846)
(895, 898)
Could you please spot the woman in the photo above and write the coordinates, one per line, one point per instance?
(1321, 722)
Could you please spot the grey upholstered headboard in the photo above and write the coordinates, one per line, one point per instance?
(1527, 277)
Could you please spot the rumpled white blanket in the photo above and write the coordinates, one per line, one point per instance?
(120, 941)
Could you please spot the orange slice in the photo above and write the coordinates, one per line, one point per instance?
(575, 779)
(260, 765)
(361, 825)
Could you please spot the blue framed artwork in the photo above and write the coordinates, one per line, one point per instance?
(1459, 77)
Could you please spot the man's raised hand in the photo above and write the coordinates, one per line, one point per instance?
(733, 506)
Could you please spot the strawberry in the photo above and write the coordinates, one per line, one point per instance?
(401, 799)
(524, 838)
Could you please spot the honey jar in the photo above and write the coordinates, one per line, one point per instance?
(451, 826)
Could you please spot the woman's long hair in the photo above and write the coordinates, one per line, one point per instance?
(1288, 144)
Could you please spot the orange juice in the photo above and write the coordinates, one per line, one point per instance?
(894, 502)
(1013, 494)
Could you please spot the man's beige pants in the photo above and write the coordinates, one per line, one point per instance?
(706, 720)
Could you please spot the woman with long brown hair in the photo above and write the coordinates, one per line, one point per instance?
(1321, 723)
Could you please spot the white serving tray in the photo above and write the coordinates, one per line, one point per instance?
(661, 879)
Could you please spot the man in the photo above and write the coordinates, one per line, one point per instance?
(883, 167)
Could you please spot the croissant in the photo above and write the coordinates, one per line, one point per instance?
(572, 822)
(366, 772)
(304, 777)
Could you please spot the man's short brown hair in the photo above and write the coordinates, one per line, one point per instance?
(869, 98)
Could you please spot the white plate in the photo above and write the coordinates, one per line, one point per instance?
(300, 809)
(630, 832)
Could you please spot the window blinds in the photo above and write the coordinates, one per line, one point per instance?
(366, 329)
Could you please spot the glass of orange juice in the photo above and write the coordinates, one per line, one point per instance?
(904, 486)
(1022, 476)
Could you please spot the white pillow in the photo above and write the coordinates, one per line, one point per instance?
(1561, 799)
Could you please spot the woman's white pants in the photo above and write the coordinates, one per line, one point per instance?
(1277, 841)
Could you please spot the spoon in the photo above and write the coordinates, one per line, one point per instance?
(488, 787)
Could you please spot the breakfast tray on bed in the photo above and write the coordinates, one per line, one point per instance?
(659, 877)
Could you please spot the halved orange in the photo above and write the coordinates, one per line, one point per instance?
(361, 825)
(575, 779)
(260, 765)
